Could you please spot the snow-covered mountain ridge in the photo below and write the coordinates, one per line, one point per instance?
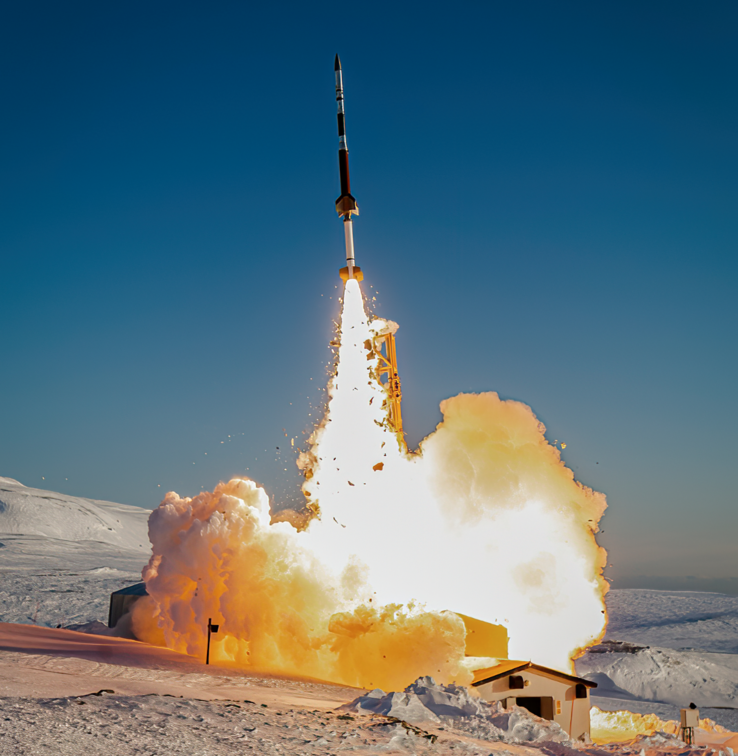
(35, 512)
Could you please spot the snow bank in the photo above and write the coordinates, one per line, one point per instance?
(662, 674)
(426, 702)
(34, 512)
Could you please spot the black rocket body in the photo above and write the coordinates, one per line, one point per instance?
(346, 205)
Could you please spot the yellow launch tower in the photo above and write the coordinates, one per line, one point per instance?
(384, 348)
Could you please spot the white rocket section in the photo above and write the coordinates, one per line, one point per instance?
(348, 229)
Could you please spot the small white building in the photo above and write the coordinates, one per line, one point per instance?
(545, 692)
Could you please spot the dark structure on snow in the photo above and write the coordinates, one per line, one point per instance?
(121, 601)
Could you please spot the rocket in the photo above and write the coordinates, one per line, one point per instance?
(346, 204)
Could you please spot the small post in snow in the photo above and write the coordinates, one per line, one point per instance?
(211, 629)
(690, 721)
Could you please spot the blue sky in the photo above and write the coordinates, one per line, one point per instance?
(548, 208)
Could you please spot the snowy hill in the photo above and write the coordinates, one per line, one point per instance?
(34, 512)
(62, 556)
(674, 619)
(665, 675)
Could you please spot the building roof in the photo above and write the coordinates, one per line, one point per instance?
(139, 589)
(511, 666)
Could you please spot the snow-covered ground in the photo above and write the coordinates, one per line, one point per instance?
(62, 556)
(126, 725)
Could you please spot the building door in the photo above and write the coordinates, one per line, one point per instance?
(541, 706)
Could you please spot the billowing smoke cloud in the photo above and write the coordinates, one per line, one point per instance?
(280, 610)
(485, 520)
(503, 490)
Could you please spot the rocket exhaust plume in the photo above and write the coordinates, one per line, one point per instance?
(484, 519)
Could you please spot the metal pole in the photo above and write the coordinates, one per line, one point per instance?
(207, 655)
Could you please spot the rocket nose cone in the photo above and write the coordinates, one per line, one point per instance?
(337, 64)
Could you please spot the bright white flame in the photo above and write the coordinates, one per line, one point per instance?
(486, 521)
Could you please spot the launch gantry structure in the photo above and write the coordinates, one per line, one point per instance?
(387, 367)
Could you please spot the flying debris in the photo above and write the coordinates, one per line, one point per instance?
(346, 204)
